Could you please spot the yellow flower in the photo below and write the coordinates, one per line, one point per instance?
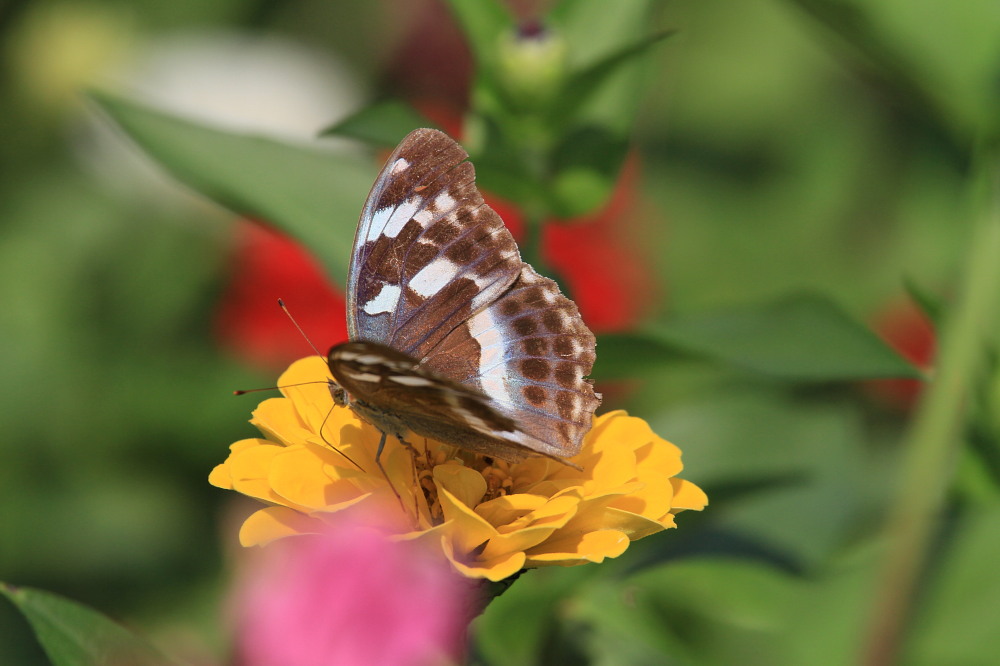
(490, 519)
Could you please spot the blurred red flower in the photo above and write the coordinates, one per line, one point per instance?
(267, 266)
(907, 330)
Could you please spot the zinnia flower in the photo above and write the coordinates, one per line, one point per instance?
(346, 597)
(490, 519)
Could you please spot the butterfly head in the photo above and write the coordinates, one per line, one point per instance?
(359, 368)
(340, 396)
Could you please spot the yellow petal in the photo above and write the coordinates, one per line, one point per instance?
(578, 548)
(688, 496)
(631, 524)
(520, 540)
(465, 484)
(660, 455)
(249, 469)
(526, 474)
(220, 478)
(308, 369)
(652, 498)
(244, 444)
(276, 522)
(495, 569)
(278, 420)
(508, 508)
(554, 512)
(611, 468)
(301, 476)
(534, 527)
(463, 527)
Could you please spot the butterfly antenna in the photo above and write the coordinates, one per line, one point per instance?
(276, 388)
(284, 308)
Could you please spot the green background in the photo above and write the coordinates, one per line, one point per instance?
(785, 147)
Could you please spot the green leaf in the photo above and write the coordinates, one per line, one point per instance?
(946, 74)
(73, 635)
(593, 32)
(695, 611)
(586, 165)
(930, 304)
(311, 193)
(588, 81)
(381, 124)
(594, 35)
(482, 21)
(799, 338)
(516, 627)
(629, 355)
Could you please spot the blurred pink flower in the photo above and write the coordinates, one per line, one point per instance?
(349, 597)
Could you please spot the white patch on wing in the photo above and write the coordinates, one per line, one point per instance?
(473, 420)
(410, 380)
(371, 359)
(434, 276)
(399, 165)
(484, 296)
(424, 217)
(470, 418)
(444, 201)
(492, 370)
(385, 300)
(362, 376)
(486, 293)
(390, 221)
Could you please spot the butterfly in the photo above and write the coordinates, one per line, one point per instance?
(453, 336)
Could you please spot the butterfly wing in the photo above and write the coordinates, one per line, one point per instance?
(393, 392)
(428, 251)
(436, 275)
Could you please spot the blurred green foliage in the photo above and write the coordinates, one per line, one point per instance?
(819, 146)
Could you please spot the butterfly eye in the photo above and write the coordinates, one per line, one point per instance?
(340, 397)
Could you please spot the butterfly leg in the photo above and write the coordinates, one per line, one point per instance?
(412, 449)
(378, 461)
(414, 454)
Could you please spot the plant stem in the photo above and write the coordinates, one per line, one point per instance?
(531, 247)
(936, 433)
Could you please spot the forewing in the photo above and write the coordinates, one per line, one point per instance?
(428, 251)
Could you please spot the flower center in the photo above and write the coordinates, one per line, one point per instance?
(423, 466)
(495, 472)
(497, 475)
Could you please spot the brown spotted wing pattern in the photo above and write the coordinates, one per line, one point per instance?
(498, 357)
